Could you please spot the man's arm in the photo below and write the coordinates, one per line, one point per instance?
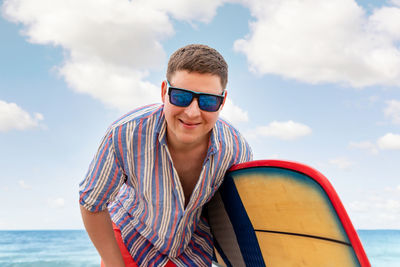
(99, 227)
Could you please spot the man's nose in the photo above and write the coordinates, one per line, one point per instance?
(193, 109)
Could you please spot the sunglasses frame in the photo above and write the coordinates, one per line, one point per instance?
(195, 95)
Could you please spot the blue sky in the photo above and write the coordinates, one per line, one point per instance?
(312, 82)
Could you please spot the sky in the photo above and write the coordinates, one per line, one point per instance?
(316, 82)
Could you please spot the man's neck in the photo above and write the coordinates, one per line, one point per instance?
(178, 147)
(188, 160)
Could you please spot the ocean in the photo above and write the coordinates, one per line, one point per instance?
(47, 249)
(73, 248)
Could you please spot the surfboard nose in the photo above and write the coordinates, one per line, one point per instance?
(279, 213)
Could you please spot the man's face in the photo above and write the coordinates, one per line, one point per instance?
(190, 126)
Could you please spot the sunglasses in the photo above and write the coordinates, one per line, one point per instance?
(183, 97)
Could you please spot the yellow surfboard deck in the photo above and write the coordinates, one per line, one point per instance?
(277, 213)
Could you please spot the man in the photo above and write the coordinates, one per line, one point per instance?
(159, 165)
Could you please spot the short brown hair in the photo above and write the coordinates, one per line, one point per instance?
(198, 58)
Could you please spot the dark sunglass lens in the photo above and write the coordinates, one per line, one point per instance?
(180, 98)
(209, 102)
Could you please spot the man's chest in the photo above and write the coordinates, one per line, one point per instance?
(189, 170)
(159, 173)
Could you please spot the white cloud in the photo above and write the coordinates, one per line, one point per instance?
(392, 111)
(12, 117)
(369, 214)
(24, 185)
(56, 202)
(359, 206)
(288, 130)
(115, 86)
(118, 32)
(386, 21)
(390, 205)
(194, 10)
(342, 163)
(110, 45)
(233, 113)
(395, 189)
(324, 41)
(365, 145)
(389, 141)
(376, 208)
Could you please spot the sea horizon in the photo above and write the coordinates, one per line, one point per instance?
(72, 247)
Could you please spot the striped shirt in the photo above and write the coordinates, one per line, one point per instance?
(133, 176)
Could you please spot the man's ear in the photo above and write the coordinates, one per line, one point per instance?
(163, 91)
(226, 94)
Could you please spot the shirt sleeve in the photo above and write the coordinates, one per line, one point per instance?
(103, 179)
(244, 150)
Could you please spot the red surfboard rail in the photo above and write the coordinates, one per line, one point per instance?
(330, 191)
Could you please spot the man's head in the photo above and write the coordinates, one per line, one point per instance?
(200, 59)
(196, 74)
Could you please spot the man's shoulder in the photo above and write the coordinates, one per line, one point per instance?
(139, 114)
(233, 142)
(226, 131)
(224, 125)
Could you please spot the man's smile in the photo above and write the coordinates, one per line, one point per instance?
(189, 124)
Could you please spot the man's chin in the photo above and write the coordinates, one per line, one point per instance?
(189, 139)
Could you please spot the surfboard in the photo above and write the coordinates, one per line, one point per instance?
(281, 213)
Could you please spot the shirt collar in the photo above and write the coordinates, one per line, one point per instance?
(213, 146)
(161, 128)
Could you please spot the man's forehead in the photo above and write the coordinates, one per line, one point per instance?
(191, 80)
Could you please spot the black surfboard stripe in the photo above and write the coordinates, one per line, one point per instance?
(305, 235)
